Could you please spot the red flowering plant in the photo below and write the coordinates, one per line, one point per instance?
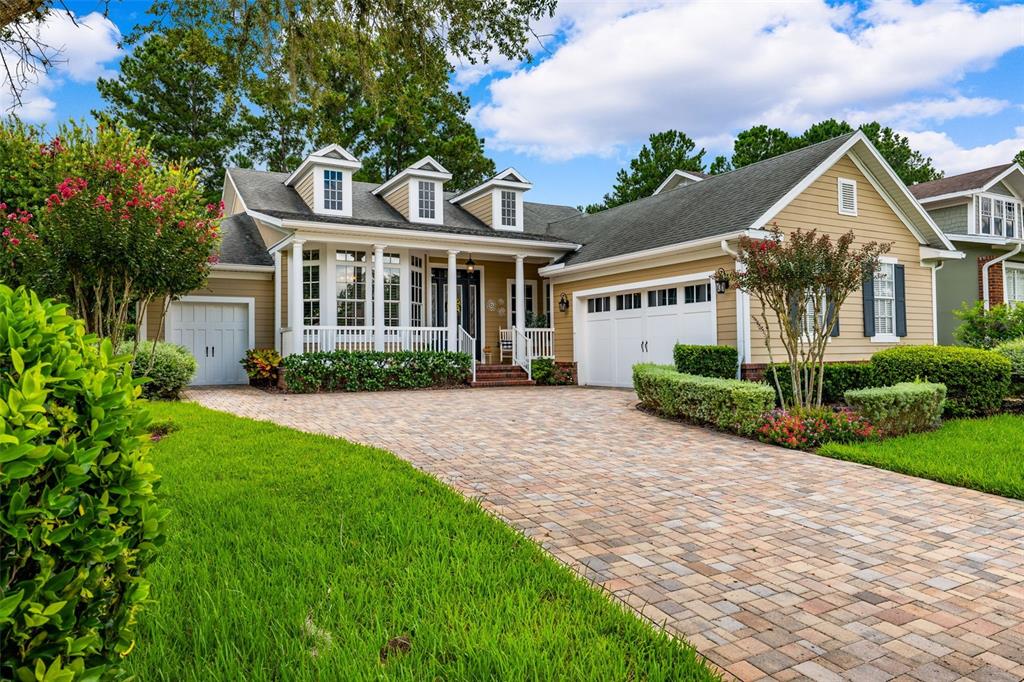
(117, 230)
(808, 428)
(798, 281)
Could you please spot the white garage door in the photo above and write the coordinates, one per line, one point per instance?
(217, 334)
(624, 329)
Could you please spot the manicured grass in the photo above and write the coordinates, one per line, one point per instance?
(298, 557)
(983, 454)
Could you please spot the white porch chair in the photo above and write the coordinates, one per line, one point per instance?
(504, 344)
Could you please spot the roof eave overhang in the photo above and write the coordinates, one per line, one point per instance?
(241, 267)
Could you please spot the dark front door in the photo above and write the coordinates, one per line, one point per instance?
(467, 300)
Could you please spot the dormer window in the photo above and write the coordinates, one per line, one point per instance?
(508, 209)
(427, 200)
(334, 194)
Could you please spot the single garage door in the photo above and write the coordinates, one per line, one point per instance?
(217, 334)
(623, 329)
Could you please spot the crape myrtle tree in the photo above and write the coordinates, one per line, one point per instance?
(115, 231)
(801, 281)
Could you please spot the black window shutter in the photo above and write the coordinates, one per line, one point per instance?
(901, 302)
(868, 290)
(830, 310)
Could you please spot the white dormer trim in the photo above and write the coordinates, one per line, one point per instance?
(427, 169)
(417, 170)
(346, 192)
(414, 201)
(1002, 176)
(328, 156)
(496, 210)
(684, 175)
(499, 180)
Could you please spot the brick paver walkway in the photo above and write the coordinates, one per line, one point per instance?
(774, 564)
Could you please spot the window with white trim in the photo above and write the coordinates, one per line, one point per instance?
(627, 301)
(311, 287)
(527, 296)
(601, 304)
(1014, 282)
(998, 216)
(697, 293)
(415, 291)
(847, 196)
(427, 199)
(885, 299)
(350, 274)
(392, 289)
(334, 190)
(508, 208)
(657, 298)
(812, 312)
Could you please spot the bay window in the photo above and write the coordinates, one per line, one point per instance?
(998, 216)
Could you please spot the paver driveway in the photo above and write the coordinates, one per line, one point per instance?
(772, 563)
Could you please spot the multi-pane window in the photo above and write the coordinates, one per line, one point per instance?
(311, 287)
(527, 296)
(508, 208)
(999, 217)
(416, 291)
(333, 193)
(812, 310)
(350, 271)
(1014, 277)
(392, 290)
(427, 200)
(662, 297)
(627, 301)
(697, 293)
(885, 299)
(601, 304)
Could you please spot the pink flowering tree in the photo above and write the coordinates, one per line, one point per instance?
(116, 231)
(800, 280)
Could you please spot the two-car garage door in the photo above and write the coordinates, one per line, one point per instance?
(624, 328)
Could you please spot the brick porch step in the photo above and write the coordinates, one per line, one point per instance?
(501, 382)
(501, 375)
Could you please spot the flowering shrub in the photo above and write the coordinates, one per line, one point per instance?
(261, 364)
(806, 428)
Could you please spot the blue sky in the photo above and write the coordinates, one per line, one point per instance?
(950, 75)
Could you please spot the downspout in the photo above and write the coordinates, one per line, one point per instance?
(984, 269)
(742, 317)
(936, 266)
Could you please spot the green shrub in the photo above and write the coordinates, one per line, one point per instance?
(982, 328)
(546, 372)
(374, 371)
(903, 408)
(1014, 352)
(839, 377)
(726, 403)
(804, 428)
(261, 365)
(976, 380)
(78, 514)
(706, 361)
(173, 368)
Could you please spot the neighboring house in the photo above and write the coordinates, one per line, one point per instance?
(313, 260)
(981, 213)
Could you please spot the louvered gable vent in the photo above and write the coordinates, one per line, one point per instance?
(847, 196)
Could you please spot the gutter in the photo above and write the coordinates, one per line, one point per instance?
(984, 269)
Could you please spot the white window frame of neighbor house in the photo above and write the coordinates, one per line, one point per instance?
(1004, 202)
(1013, 276)
(885, 262)
(852, 184)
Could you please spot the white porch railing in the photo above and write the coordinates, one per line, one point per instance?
(467, 344)
(543, 342)
(522, 352)
(363, 338)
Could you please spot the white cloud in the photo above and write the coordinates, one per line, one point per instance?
(706, 67)
(950, 157)
(85, 47)
(914, 115)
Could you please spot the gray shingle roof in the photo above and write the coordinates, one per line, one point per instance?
(718, 205)
(265, 192)
(957, 183)
(241, 243)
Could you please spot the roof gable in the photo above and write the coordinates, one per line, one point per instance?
(964, 183)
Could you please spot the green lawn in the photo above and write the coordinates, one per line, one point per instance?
(298, 557)
(984, 454)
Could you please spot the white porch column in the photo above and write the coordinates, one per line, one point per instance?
(378, 297)
(277, 302)
(453, 316)
(295, 297)
(521, 296)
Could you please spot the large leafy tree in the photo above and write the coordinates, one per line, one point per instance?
(911, 165)
(665, 152)
(760, 143)
(169, 91)
(1019, 158)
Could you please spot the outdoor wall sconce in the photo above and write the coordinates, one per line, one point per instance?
(470, 265)
(563, 303)
(721, 281)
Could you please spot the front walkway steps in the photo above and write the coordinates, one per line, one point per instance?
(501, 375)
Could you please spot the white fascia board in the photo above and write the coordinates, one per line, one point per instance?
(991, 240)
(312, 160)
(241, 267)
(279, 246)
(335, 147)
(1002, 176)
(228, 179)
(394, 182)
(930, 253)
(428, 159)
(677, 174)
(950, 195)
(494, 182)
(264, 218)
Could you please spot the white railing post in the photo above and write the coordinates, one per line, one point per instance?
(468, 346)
(520, 296)
(378, 297)
(522, 351)
(295, 298)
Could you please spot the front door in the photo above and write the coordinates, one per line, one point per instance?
(467, 301)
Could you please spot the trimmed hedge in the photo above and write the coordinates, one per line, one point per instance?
(374, 371)
(1014, 352)
(976, 380)
(840, 377)
(903, 408)
(726, 403)
(173, 368)
(706, 361)
(78, 512)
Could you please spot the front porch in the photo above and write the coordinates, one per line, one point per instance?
(348, 295)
